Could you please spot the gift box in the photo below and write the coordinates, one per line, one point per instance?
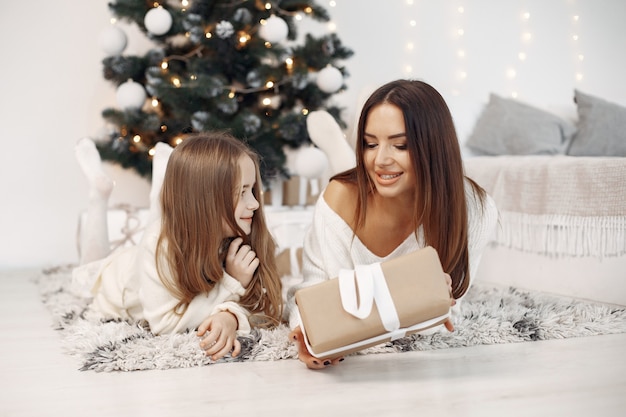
(374, 304)
(296, 191)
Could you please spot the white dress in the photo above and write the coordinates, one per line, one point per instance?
(126, 285)
(330, 245)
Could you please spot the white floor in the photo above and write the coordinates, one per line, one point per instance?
(572, 377)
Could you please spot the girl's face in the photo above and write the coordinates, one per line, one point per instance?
(247, 202)
(385, 152)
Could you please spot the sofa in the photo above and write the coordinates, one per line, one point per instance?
(560, 187)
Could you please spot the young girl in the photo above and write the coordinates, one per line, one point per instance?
(207, 260)
(407, 191)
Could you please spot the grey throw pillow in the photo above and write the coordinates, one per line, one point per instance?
(510, 127)
(601, 127)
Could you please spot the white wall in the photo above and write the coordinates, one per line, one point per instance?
(52, 90)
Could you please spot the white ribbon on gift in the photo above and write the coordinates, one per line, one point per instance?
(370, 284)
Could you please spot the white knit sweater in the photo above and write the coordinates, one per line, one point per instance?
(126, 285)
(330, 245)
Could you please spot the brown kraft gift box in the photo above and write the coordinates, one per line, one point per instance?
(418, 293)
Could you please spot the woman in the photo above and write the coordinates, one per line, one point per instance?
(206, 263)
(407, 191)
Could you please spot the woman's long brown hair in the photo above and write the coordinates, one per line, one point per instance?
(440, 203)
(198, 197)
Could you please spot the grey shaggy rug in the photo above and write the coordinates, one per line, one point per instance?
(489, 315)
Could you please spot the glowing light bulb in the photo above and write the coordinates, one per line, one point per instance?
(155, 102)
(521, 56)
(136, 138)
(164, 65)
(176, 82)
(269, 84)
(243, 39)
(511, 73)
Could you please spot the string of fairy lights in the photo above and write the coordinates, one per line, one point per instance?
(272, 30)
(457, 21)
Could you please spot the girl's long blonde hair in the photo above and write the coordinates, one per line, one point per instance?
(198, 198)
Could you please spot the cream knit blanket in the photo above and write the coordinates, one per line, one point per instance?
(557, 205)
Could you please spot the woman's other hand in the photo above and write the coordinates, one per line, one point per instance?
(241, 262)
(309, 360)
(219, 335)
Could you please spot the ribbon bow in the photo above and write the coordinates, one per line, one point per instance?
(369, 282)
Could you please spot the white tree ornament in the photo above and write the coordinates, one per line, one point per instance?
(329, 79)
(113, 40)
(130, 95)
(311, 162)
(274, 30)
(158, 21)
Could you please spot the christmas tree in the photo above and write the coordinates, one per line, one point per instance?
(233, 65)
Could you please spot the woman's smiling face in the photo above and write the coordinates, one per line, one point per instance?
(385, 153)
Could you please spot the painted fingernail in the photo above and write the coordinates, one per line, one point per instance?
(342, 359)
(326, 363)
(316, 362)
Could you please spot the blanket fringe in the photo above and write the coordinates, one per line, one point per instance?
(563, 235)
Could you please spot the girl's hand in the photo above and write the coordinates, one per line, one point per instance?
(303, 354)
(220, 335)
(241, 262)
(448, 323)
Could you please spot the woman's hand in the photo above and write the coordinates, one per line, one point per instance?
(448, 323)
(219, 335)
(309, 360)
(241, 262)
